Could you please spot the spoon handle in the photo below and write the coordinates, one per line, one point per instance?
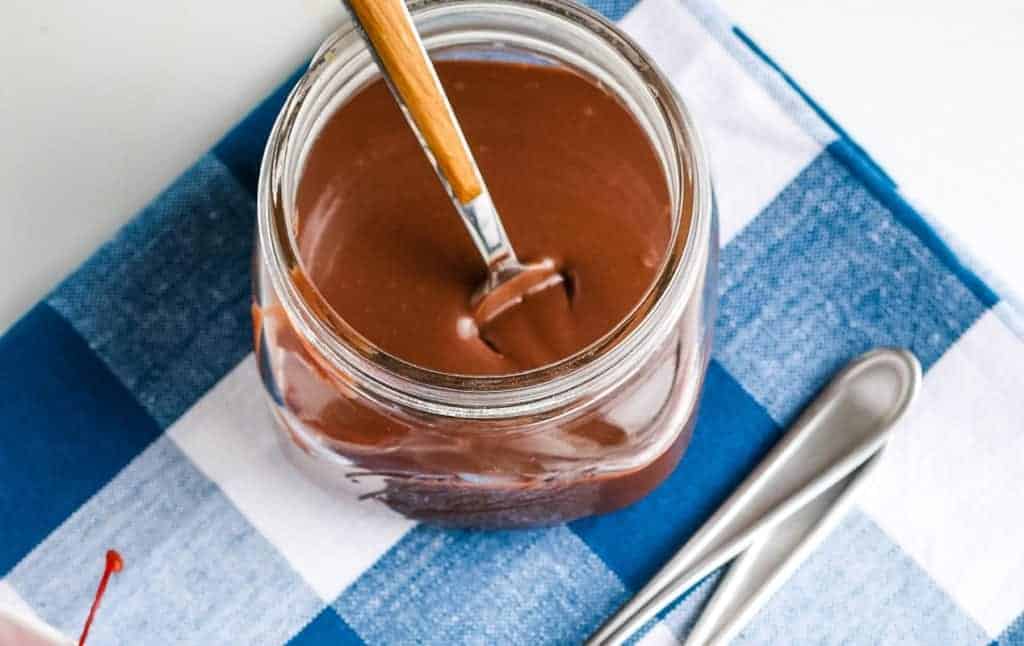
(389, 27)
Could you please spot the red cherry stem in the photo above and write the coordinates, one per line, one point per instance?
(114, 564)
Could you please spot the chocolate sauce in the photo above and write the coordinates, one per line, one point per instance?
(573, 175)
(577, 182)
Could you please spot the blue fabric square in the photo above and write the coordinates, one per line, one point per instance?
(166, 303)
(733, 432)
(823, 274)
(1013, 635)
(195, 571)
(612, 9)
(462, 587)
(68, 426)
(326, 629)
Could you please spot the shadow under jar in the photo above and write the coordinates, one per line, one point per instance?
(586, 434)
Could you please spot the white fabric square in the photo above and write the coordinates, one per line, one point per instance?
(15, 613)
(9, 598)
(330, 540)
(948, 490)
(756, 148)
(658, 635)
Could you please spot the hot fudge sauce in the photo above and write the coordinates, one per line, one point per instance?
(381, 260)
(573, 175)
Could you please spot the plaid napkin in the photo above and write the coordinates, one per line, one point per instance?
(132, 418)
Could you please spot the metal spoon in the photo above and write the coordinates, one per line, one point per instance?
(842, 430)
(389, 31)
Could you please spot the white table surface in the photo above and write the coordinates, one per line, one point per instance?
(104, 102)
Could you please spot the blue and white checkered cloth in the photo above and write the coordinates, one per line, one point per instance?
(132, 418)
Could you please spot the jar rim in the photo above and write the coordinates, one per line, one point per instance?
(594, 369)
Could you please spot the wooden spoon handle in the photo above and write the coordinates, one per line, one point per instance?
(390, 29)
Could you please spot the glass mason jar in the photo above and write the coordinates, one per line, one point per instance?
(588, 434)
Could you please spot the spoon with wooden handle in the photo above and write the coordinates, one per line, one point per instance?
(389, 30)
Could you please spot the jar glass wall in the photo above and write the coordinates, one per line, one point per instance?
(589, 434)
